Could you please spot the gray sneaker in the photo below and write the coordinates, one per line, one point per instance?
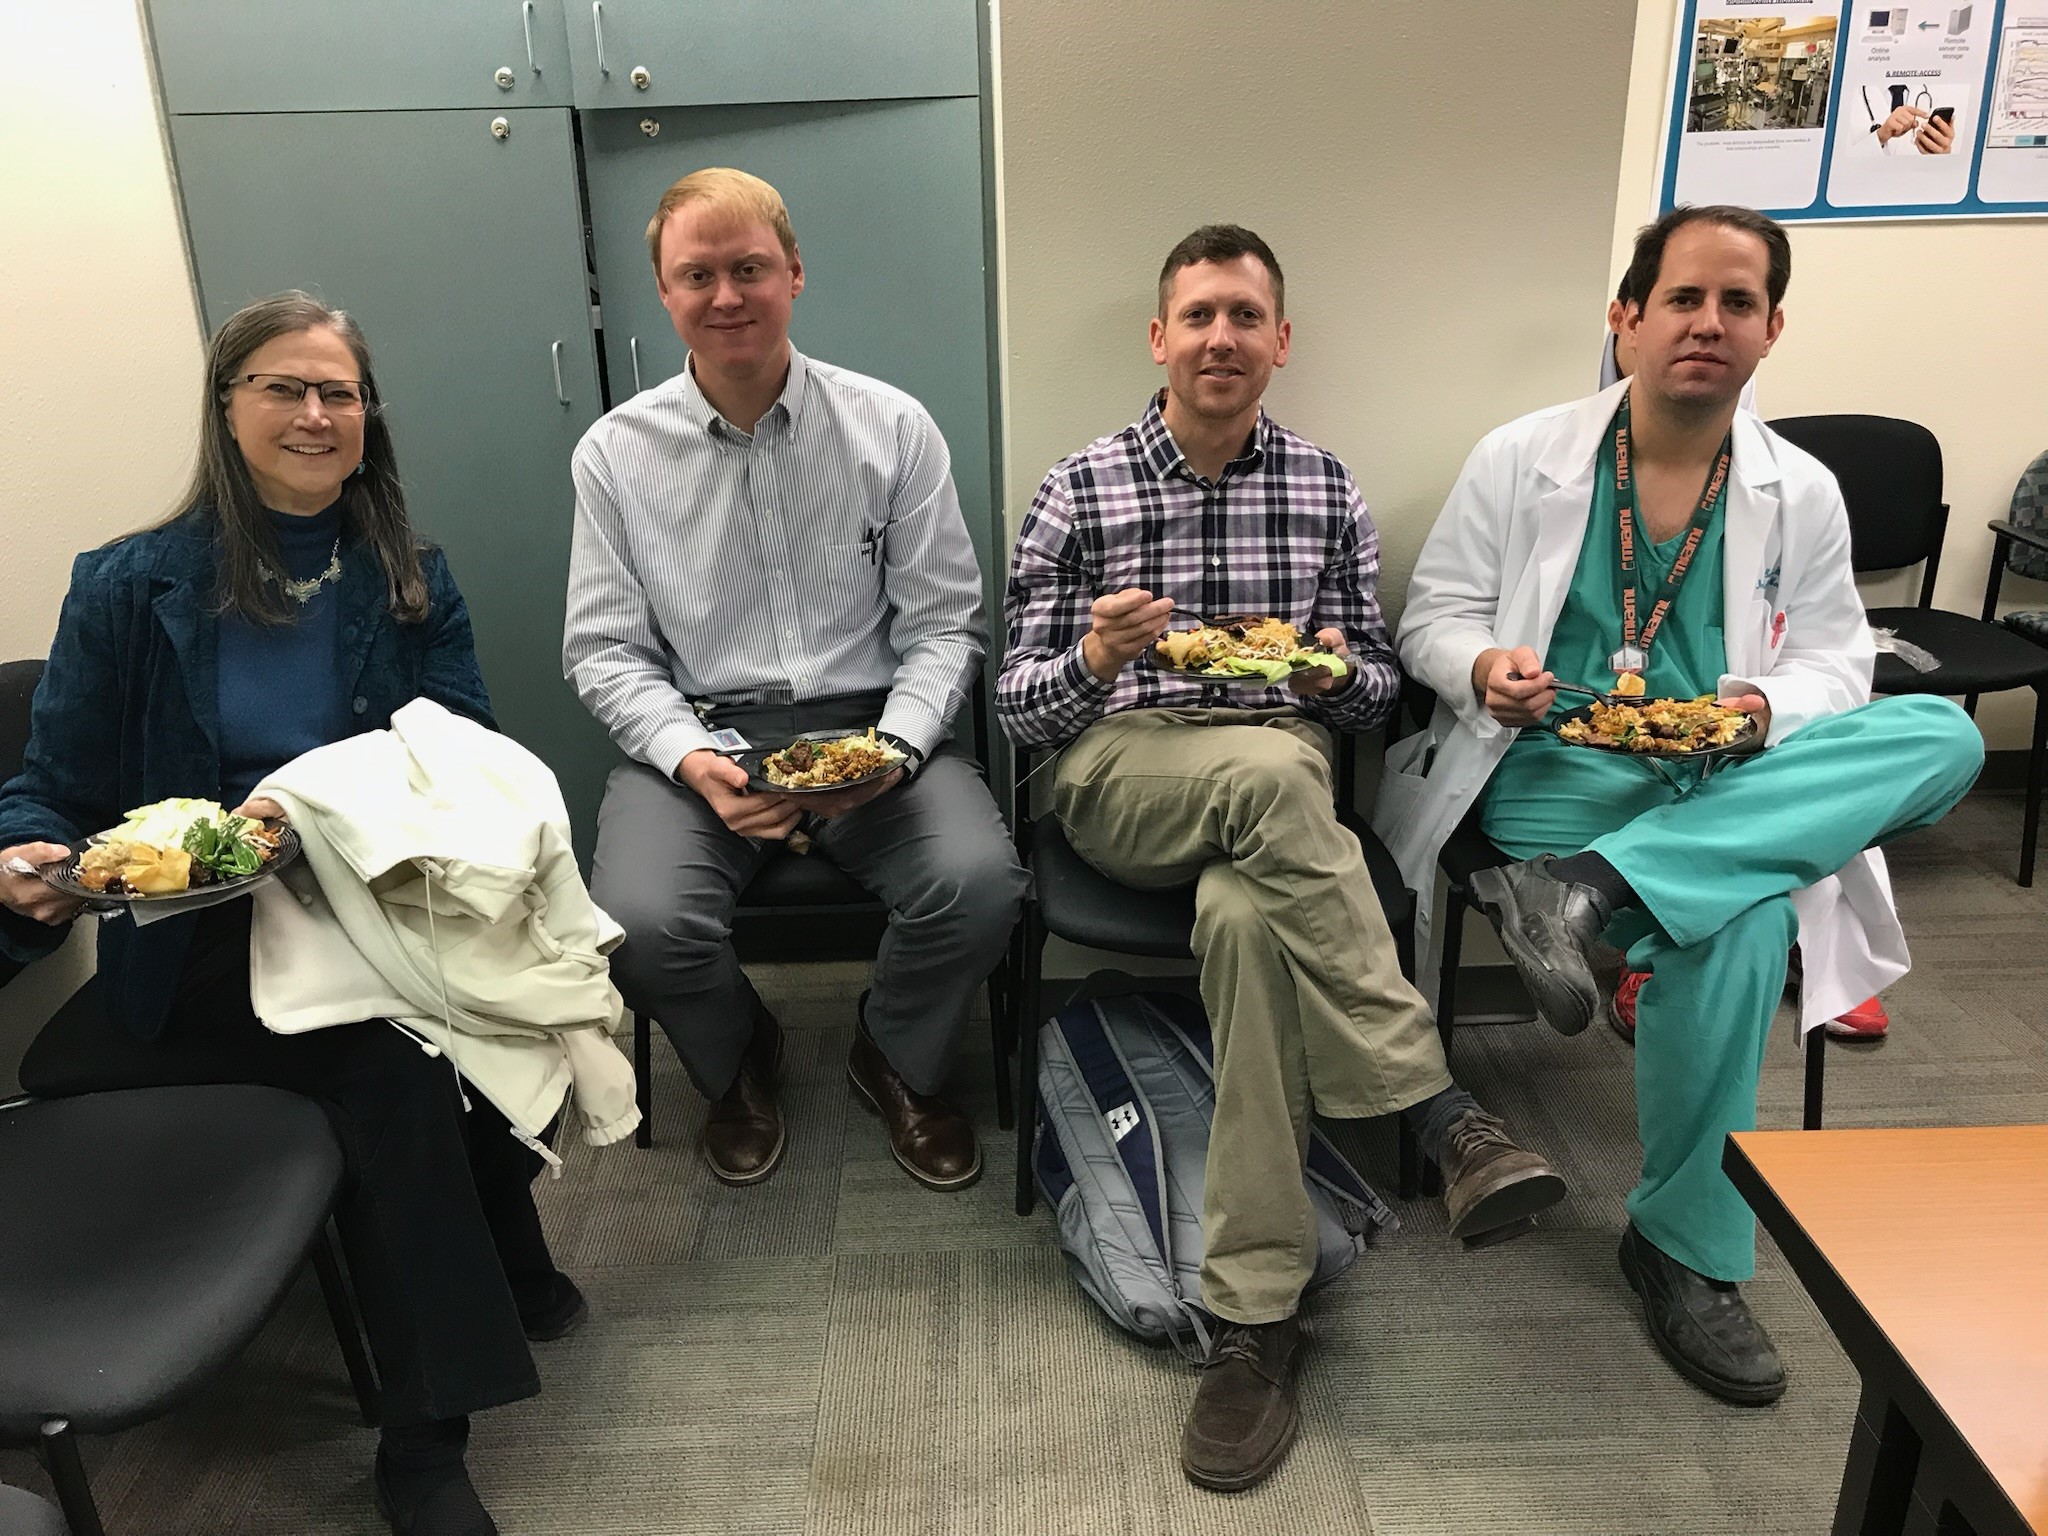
(1547, 926)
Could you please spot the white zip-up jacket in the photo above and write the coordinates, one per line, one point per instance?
(445, 897)
(1494, 572)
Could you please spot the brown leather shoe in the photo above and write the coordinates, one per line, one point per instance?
(1492, 1186)
(931, 1139)
(744, 1136)
(1244, 1417)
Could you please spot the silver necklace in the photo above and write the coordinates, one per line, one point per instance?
(301, 592)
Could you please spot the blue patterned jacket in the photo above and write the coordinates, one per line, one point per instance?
(126, 714)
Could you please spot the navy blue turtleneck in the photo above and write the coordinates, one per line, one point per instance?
(280, 684)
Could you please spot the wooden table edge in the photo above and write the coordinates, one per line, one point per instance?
(1869, 1348)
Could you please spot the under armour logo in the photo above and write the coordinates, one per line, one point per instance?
(1122, 1121)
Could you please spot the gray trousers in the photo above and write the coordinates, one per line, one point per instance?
(933, 850)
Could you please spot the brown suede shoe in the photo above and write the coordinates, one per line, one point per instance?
(1244, 1417)
(1492, 1186)
(931, 1139)
(744, 1136)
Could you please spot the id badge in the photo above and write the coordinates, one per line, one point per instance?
(729, 741)
(1628, 659)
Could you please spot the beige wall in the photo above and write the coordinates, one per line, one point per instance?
(1943, 323)
(1440, 202)
(99, 338)
(99, 341)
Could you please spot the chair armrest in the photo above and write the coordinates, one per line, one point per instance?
(2004, 533)
(2033, 538)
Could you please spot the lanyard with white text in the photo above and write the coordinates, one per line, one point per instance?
(1634, 655)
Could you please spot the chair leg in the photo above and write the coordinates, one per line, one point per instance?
(348, 1332)
(1447, 975)
(1411, 1157)
(67, 1471)
(2033, 814)
(999, 1041)
(1028, 1020)
(643, 1079)
(1816, 1076)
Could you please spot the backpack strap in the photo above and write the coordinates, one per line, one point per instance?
(1126, 1113)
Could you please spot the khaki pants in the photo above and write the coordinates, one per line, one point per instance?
(1306, 999)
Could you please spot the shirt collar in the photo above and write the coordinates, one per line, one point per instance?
(786, 407)
(1163, 456)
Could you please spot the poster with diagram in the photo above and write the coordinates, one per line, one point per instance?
(1859, 109)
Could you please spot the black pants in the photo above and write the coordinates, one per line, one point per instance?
(436, 1213)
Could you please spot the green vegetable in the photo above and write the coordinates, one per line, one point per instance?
(223, 846)
(1277, 671)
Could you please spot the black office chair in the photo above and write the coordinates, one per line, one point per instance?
(1465, 853)
(1070, 899)
(1890, 474)
(839, 921)
(149, 1234)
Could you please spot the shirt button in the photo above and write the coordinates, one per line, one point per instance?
(1215, 559)
(789, 634)
(361, 704)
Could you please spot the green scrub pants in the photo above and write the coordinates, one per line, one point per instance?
(1715, 868)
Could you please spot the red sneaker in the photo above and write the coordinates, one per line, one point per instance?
(1621, 1008)
(1866, 1021)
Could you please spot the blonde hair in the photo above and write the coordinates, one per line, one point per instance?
(740, 197)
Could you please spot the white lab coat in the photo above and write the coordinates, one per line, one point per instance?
(1495, 571)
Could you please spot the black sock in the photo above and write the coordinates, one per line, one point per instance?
(1432, 1119)
(1589, 869)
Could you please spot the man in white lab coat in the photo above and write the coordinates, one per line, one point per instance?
(1656, 531)
(1867, 1021)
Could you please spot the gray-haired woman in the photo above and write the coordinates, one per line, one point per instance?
(287, 604)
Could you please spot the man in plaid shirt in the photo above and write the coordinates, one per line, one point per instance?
(1206, 505)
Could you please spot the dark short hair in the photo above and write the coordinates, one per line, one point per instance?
(1648, 261)
(1223, 242)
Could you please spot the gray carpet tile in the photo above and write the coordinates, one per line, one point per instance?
(841, 1351)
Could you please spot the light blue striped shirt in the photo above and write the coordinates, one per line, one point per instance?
(823, 554)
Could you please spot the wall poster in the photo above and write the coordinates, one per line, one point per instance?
(1859, 109)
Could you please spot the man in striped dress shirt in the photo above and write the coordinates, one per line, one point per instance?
(765, 545)
(1207, 504)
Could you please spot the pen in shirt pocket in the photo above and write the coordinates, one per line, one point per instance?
(871, 545)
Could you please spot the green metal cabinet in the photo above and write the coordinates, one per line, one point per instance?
(362, 55)
(651, 53)
(884, 198)
(461, 254)
(465, 178)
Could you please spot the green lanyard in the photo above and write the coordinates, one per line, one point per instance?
(1634, 655)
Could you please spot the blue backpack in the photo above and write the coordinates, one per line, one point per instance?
(1125, 1096)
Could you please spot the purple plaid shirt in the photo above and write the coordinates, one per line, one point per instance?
(1282, 532)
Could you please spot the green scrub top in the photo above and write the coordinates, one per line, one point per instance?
(1521, 814)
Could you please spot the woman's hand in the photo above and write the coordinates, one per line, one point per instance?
(259, 808)
(27, 895)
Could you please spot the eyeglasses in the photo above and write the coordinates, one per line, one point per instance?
(282, 392)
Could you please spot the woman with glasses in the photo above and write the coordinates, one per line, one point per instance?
(284, 605)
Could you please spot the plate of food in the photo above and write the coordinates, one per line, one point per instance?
(174, 855)
(1252, 652)
(820, 762)
(1660, 728)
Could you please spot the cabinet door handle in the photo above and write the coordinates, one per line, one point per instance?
(526, 26)
(633, 346)
(597, 25)
(555, 352)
